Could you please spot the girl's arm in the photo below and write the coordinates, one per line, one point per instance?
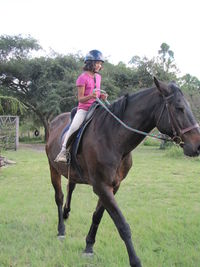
(82, 98)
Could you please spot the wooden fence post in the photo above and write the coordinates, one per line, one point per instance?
(17, 134)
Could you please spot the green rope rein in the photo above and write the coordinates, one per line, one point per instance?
(126, 126)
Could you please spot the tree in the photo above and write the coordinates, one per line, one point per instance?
(166, 56)
(191, 87)
(143, 68)
(17, 47)
(44, 85)
(162, 66)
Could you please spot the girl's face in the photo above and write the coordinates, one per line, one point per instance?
(98, 66)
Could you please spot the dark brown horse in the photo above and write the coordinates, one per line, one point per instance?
(104, 155)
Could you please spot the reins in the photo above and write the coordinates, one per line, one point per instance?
(121, 122)
(176, 138)
(130, 128)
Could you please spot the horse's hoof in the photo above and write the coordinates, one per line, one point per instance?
(137, 264)
(88, 254)
(61, 237)
(88, 251)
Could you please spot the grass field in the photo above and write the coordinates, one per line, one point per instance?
(160, 199)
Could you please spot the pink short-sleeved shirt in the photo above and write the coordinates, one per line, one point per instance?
(88, 82)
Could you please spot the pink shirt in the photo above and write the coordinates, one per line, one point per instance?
(88, 82)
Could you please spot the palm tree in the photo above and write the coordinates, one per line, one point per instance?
(11, 105)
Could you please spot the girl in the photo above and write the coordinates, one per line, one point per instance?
(86, 83)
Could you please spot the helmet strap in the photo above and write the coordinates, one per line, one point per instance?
(94, 81)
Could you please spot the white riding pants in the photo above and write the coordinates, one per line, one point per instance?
(76, 123)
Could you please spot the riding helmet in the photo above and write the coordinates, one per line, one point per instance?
(94, 55)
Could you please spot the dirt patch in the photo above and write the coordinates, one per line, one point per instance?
(37, 147)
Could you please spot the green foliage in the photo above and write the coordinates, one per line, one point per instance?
(162, 66)
(31, 140)
(143, 67)
(174, 152)
(191, 87)
(45, 85)
(151, 142)
(11, 105)
(190, 83)
(16, 47)
(166, 55)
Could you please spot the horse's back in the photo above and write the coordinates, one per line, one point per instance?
(58, 121)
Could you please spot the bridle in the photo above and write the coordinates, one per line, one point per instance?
(177, 131)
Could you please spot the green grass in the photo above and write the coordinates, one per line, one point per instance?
(32, 140)
(160, 200)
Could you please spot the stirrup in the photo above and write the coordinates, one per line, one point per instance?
(61, 157)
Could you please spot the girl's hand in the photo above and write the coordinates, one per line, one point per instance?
(104, 96)
(93, 94)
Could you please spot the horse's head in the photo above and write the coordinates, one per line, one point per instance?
(176, 119)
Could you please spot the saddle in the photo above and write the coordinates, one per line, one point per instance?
(87, 119)
(79, 133)
(75, 139)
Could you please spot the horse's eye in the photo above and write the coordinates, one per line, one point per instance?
(180, 108)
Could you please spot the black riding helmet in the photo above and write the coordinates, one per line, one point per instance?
(94, 55)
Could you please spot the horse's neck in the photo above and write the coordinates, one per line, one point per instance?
(141, 110)
(140, 115)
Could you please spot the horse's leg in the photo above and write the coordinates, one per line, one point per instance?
(90, 239)
(96, 219)
(56, 182)
(106, 195)
(70, 189)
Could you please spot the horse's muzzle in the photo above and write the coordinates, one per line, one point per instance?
(191, 150)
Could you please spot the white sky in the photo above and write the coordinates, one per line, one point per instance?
(120, 29)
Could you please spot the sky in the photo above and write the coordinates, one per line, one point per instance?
(119, 29)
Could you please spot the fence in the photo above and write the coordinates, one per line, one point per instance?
(9, 132)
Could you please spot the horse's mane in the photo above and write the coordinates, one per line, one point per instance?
(119, 106)
(175, 88)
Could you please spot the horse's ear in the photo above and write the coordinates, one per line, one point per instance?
(162, 87)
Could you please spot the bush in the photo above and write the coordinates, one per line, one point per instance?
(174, 151)
(31, 140)
(151, 142)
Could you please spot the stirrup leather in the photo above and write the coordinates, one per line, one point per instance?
(68, 157)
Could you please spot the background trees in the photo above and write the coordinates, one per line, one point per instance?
(45, 84)
(191, 87)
